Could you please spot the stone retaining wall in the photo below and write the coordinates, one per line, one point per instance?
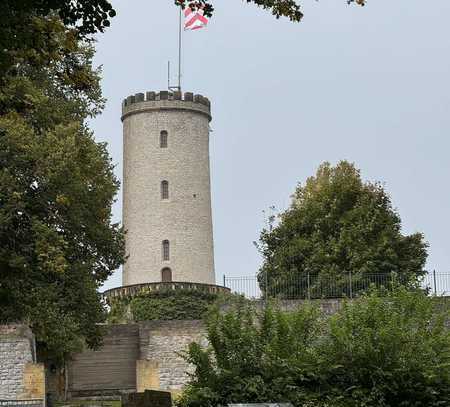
(16, 362)
(162, 343)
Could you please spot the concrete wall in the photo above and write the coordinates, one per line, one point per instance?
(20, 377)
(185, 218)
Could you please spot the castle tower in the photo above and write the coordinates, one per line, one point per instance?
(166, 188)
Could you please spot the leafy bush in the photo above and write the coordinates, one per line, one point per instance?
(381, 350)
(255, 357)
(389, 350)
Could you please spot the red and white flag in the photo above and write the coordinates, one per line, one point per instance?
(193, 20)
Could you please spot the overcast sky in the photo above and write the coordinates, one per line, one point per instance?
(370, 85)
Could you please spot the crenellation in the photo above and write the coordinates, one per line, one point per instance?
(165, 96)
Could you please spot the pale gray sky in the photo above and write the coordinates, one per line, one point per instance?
(370, 85)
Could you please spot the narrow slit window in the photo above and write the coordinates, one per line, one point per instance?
(163, 139)
(166, 275)
(165, 250)
(164, 189)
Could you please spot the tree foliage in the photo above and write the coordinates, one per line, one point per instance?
(21, 33)
(57, 242)
(338, 223)
(279, 8)
(381, 350)
(17, 21)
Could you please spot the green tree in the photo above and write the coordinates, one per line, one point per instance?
(21, 33)
(18, 19)
(385, 349)
(337, 224)
(57, 241)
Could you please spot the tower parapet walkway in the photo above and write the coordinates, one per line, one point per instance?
(145, 288)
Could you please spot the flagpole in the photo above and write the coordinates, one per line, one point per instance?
(179, 53)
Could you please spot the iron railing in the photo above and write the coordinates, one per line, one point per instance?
(350, 284)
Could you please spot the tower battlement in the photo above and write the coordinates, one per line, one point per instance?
(166, 100)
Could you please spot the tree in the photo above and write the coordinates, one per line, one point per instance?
(385, 349)
(18, 19)
(21, 33)
(57, 241)
(338, 224)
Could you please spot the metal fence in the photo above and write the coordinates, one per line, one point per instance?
(310, 286)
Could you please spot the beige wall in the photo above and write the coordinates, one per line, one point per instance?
(147, 375)
(185, 218)
(20, 377)
(33, 381)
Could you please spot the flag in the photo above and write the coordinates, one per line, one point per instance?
(193, 20)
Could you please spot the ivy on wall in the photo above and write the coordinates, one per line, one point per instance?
(162, 305)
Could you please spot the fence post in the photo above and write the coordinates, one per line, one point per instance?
(434, 281)
(350, 283)
(309, 287)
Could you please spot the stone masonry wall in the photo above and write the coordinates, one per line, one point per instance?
(162, 342)
(16, 353)
(328, 305)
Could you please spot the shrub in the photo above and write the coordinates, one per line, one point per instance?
(385, 349)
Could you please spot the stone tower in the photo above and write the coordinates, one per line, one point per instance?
(166, 188)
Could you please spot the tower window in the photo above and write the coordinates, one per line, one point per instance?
(163, 139)
(164, 189)
(165, 250)
(166, 275)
